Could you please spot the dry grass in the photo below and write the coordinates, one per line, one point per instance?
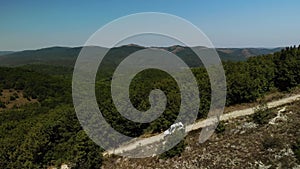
(17, 102)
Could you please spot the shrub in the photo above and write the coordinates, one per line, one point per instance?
(221, 127)
(2, 105)
(11, 98)
(271, 142)
(262, 114)
(296, 149)
(16, 95)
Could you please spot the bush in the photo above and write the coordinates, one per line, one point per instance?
(16, 95)
(271, 142)
(221, 127)
(296, 150)
(262, 114)
(2, 105)
(12, 98)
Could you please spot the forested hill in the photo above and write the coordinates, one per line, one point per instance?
(5, 52)
(64, 56)
(47, 132)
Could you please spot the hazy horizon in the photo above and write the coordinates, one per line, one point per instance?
(27, 25)
(143, 46)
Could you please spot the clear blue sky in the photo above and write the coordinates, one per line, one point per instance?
(228, 23)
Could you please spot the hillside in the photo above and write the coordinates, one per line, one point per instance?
(248, 52)
(241, 143)
(64, 56)
(53, 56)
(5, 52)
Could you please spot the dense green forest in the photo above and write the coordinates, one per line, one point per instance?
(48, 133)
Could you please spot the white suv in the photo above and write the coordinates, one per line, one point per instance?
(176, 126)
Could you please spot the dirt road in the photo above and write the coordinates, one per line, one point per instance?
(200, 124)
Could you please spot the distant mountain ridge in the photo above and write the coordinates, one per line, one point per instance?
(248, 52)
(5, 52)
(66, 56)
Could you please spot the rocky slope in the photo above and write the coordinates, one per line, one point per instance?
(243, 144)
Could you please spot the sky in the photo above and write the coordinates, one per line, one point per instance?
(37, 24)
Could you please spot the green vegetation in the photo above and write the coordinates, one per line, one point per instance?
(2, 105)
(221, 127)
(66, 57)
(49, 90)
(48, 132)
(262, 114)
(12, 98)
(296, 149)
(36, 137)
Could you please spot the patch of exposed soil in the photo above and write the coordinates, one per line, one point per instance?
(14, 99)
